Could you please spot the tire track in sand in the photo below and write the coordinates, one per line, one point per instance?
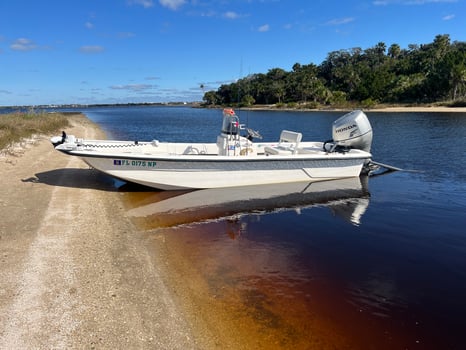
(41, 313)
(44, 299)
(81, 279)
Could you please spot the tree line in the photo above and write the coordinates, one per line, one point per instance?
(427, 73)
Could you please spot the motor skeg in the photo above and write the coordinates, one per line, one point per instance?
(353, 130)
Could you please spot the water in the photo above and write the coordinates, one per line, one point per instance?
(380, 265)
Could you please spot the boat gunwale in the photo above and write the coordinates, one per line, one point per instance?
(223, 159)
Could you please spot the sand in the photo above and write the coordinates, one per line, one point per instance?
(419, 109)
(394, 109)
(74, 272)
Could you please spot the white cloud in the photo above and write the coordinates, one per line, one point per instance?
(23, 44)
(91, 49)
(340, 21)
(234, 15)
(210, 13)
(125, 35)
(143, 3)
(88, 25)
(132, 87)
(172, 4)
(422, 2)
(448, 17)
(231, 15)
(264, 28)
(410, 2)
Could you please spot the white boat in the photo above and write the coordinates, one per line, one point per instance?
(234, 160)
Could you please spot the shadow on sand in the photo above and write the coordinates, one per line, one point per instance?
(77, 178)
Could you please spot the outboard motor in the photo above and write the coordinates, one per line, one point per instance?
(352, 130)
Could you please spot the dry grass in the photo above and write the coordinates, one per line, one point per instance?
(17, 126)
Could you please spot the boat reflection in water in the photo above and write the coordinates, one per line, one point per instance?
(263, 275)
(346, 198)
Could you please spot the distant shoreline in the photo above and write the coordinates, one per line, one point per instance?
(396, 109)
(418, 109)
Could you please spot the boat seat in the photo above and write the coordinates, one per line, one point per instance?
(288, 144)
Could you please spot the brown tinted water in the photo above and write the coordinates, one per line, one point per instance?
(254, 271)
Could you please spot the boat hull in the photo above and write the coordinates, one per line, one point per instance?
(199, 172)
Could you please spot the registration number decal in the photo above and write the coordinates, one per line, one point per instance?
(140, 163)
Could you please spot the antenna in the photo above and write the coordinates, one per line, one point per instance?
(239, 79)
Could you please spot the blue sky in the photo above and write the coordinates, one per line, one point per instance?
(119, 51)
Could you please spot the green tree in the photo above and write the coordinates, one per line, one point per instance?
(420, 73)
(211, 98)
(276, 78)
(247, 100)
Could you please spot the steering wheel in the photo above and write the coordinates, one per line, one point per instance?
(253, 133)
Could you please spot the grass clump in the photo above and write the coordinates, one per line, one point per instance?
(17, 126)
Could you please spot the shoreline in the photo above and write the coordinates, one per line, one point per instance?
(395, 109)
(378, 109)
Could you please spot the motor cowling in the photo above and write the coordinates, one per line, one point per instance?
(353, 130)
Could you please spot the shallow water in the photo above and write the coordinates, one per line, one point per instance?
(376, 264)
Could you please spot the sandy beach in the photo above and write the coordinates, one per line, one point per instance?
(388, 109)
(74, 272)
(435, 109)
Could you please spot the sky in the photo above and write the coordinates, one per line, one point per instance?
(134, 51)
